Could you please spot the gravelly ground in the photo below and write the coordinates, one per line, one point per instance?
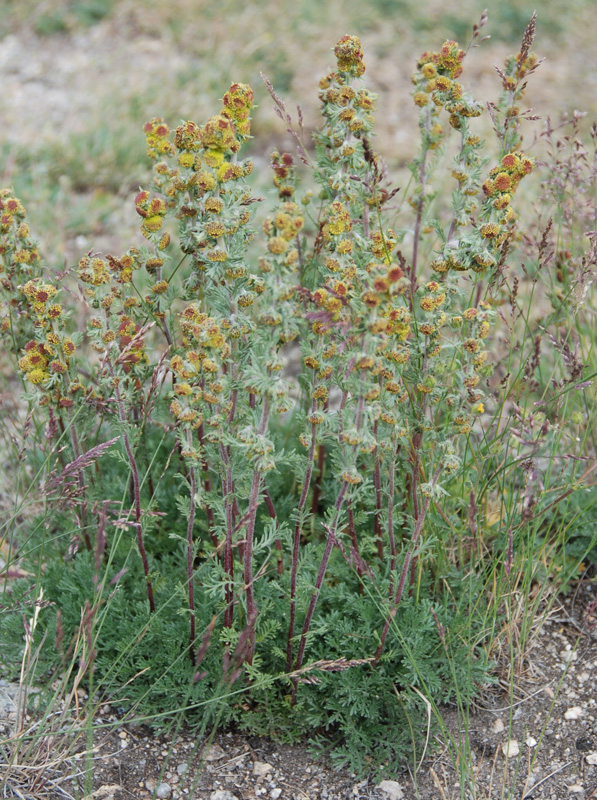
(543, 745)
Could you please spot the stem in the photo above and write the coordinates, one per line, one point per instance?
(191, 589)
(228, 560)
(207, 486)
(318, 479)
(405, 569)
(248, 555)
(136, 489)
(272, 512)
(320, 576)
(418, 221)
(296, 546)
(377, 485)
(391, 475)
(353, 537)
(81, 482)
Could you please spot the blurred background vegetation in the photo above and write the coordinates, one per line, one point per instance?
(80, 77)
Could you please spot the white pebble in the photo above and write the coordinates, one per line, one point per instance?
(163, 791)
(511, 748)
(392, 789)
(215, 753)
(591, 758)
(530, 741)
(261, 768)
(275, 793)
(573, 713)
(498, 726)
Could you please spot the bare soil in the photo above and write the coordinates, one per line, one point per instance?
(534, 735)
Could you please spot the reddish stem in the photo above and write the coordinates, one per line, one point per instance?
(377, 484)
(136, 492)
(403, 574)
(319, 581)
(248, 554)
(191, 590)
(271, 509)
(353, 537)
(296, 547)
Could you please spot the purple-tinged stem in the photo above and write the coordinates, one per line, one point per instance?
(405, 570)
(191, 588)
(418, 221)
(136, 491)
(391, 488)
(377, 484)
(352, 531)
(296, 546)
(271, 510)
(81, 482)
(320, 576)
(228, 559)
(248, 554)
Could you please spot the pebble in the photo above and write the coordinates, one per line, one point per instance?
(573, 713)
(498, 726)
(591, 758)
(261, 768)
(275, 793)
(530, 741)
(392, 790)
(568, 655)
(163, 791)
(215, 753)
(150, 784)
(222, 794)
(576, 787)
(511, 748)
(182, 769)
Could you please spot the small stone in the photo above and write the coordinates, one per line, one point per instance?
(568, 655)
(164, 791)
(275, 793)
(591, 758)
(511, 748)
(260, 769)
(573, 713)
(150, 784)
(215, 753)
(182, 769)
(498, 726)
(530, 741)
(123, 734)
(392, 790)
(222, 794)
(576, 787)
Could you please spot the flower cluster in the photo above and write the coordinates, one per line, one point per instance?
(347, 111)
(483, 246)
(109, 288)
(280, 267)
(237, 105)
(19, 261)
(47, 360)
